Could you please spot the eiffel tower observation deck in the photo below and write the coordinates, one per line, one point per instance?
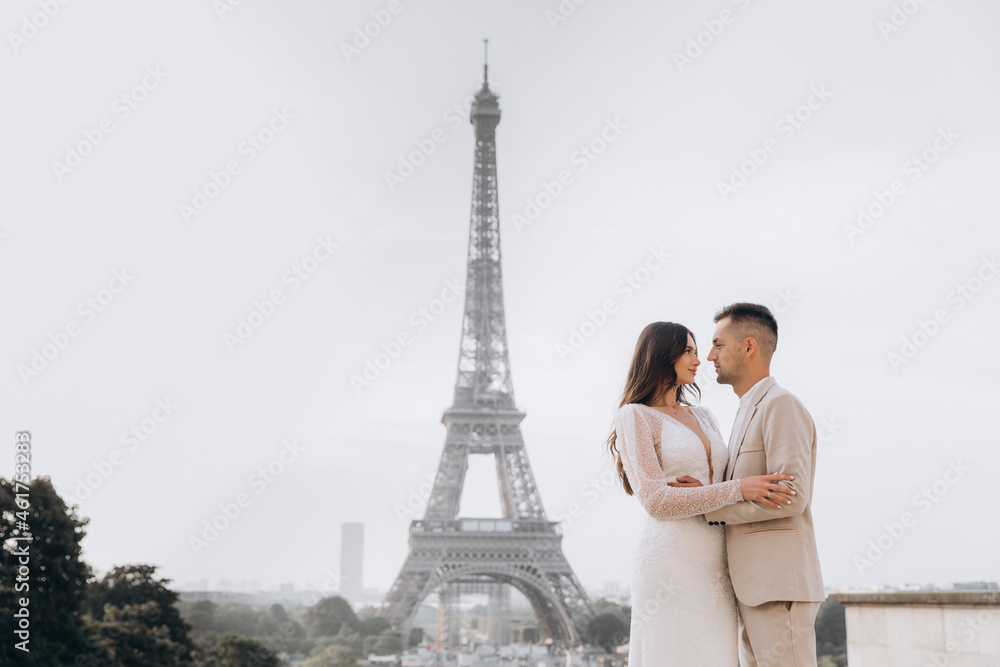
(523, 549)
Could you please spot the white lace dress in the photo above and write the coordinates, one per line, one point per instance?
(683, 605)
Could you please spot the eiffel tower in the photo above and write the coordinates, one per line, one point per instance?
(449, 554)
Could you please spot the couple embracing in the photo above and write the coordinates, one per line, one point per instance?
(726, 569)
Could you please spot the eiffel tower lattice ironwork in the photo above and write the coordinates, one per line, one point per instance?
(523, 549)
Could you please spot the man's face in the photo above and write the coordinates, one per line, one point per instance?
(727, 354)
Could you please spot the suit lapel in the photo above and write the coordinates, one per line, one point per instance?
(751, 411)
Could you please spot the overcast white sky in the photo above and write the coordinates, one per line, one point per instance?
(335, 126)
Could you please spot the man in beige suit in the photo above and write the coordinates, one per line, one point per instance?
(773, 559)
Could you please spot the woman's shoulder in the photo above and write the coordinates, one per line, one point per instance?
(635, 407)
(627, 409)
(632, 410)
(636, 417)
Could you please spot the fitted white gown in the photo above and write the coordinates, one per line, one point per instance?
(683, 605)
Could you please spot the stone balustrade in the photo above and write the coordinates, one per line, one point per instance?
(922, 628)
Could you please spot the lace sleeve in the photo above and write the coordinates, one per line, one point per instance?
(649, 484)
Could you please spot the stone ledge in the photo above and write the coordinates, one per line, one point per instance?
(959, 598)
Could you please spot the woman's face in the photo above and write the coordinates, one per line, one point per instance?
(687, 366)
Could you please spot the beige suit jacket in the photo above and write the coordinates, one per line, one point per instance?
(772, 552)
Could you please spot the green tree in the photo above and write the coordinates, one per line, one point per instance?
(136, 585)
(606, 630)
(278, 613)
(201, 615)
(624, 612)
(335, 655)
(235, 651)
(388, 643)
(56, 576)
(346, 637)
(238, 619)
(265, 625)
(374, 625)
(133, 636)
(606, 606)
(290, 638)
(831, 628)
(326, 617)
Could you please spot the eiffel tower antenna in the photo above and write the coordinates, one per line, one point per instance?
(486, 65)
(523, 548)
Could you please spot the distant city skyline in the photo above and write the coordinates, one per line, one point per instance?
(373, 596)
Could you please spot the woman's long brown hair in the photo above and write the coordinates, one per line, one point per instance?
(652, 373)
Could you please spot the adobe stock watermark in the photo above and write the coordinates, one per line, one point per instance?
(454, 117)
(252, 146)
(416, 499)
(624, 289)
(968, 629)
(562, 12)
(282, 640)
(20, 531)
(711, 31)
(666, 592)
(585, 155)
(136, 435)
(225, 7)
(783, 300)
(333, 583)
(59, 340)
(924, 500)
(958, 297)
(826, 430)
(913, 168)
(369, 31)
(230, 511)
(295, 276)
(419, 321)
(121, 108)
(899, 17)
(786, 126)
(34, 22)
(591, 490)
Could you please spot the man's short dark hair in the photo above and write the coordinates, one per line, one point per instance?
(752, 320)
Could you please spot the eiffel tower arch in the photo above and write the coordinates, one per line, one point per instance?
(523, 549)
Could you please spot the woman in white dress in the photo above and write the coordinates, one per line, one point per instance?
(683, 605)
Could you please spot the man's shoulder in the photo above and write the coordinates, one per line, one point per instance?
(778, 396)
(776, 391)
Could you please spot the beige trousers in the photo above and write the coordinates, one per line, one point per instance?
(778, 634)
